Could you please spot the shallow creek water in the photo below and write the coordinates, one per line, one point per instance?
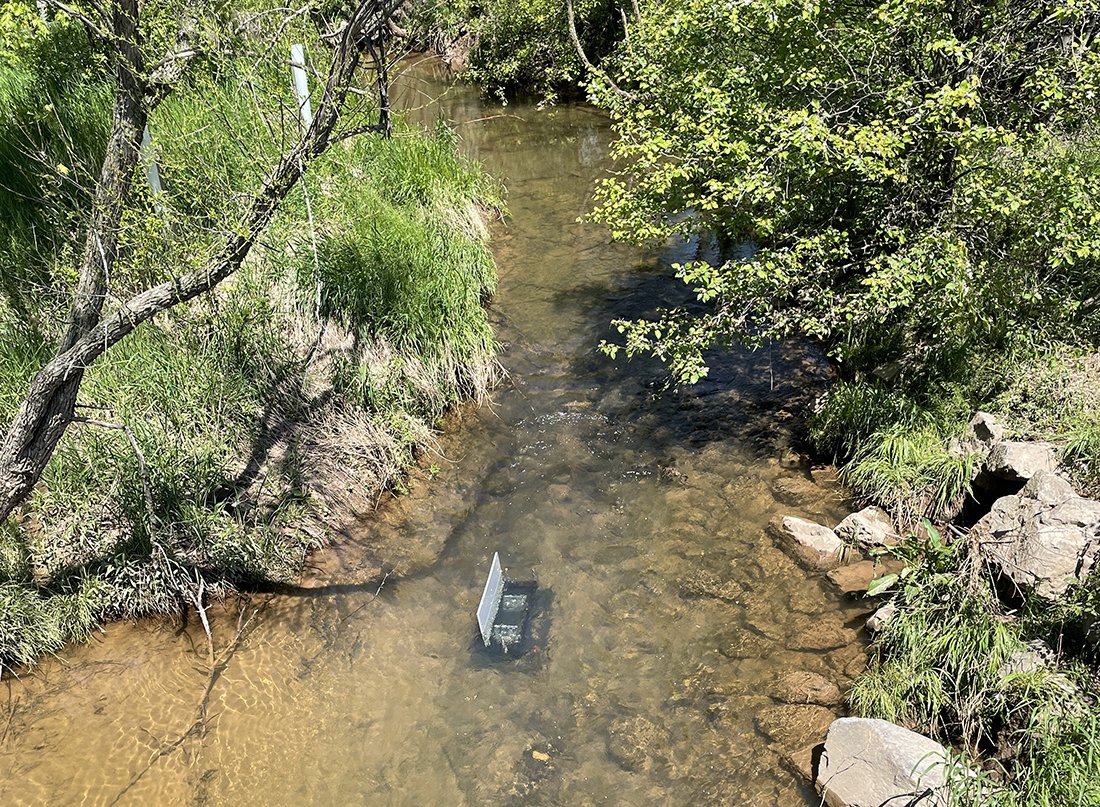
(642, 517)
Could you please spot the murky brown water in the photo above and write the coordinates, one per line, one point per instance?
(670, 615)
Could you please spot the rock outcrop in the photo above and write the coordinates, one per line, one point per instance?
(1020, 461)
(984, 428)
(869, 763)
(1043, 539)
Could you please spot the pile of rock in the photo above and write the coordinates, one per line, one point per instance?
(1044, 537)
(1039, 534)
(839, 551)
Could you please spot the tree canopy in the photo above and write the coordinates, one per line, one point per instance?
(917, 176)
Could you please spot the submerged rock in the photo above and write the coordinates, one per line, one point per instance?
(701, 583)
(744, 644)
(795, 726)
(796, 491)
(824, 636)
(806, 687)
(856, 667)
(795, 731)
(857, 577)
(633, 742)
(810, 544)
(869, 763)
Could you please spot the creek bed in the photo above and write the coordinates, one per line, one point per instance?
(643, 515)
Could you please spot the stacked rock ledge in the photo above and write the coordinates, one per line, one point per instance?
(1043, 539)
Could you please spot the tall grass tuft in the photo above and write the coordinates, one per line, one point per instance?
(912, 472)
(54, 124)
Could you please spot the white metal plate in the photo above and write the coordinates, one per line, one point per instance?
(490, 599)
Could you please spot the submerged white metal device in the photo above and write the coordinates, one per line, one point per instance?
(490, 600)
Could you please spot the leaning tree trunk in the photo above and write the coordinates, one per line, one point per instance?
(48, 406)
(43, 417)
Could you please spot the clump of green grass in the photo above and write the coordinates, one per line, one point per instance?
(852, 411)
(406, 270)
(54, 124)
(912, 472)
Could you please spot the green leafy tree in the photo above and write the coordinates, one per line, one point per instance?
(917, 176)
(525, 44)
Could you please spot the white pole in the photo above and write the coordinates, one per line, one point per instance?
(301, 84)
(152, 172)
(149, 160)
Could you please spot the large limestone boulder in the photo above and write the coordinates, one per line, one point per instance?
(870, 763)
(811, 544)
(1043, 544)
(1049, 488)
(870, 527)
(1019, 461)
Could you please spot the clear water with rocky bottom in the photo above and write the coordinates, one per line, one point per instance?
(669, 612)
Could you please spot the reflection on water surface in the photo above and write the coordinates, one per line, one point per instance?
(670, 613)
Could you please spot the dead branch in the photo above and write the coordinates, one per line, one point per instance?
(90, 25)
(591, 67)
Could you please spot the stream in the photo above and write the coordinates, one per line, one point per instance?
(666, 611)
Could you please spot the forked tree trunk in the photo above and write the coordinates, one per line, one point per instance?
(48, 406)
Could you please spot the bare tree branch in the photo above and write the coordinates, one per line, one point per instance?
(48, 406)
(90, 25)
(165, 74)
(591, 67)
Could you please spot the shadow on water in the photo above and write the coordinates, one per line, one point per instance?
(663, 614)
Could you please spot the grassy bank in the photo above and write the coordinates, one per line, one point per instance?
(944, 663)
(215, 445)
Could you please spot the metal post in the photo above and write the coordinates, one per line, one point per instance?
(149, 160)
(301, 84)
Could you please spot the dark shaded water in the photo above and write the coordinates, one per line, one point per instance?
(669, 610)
